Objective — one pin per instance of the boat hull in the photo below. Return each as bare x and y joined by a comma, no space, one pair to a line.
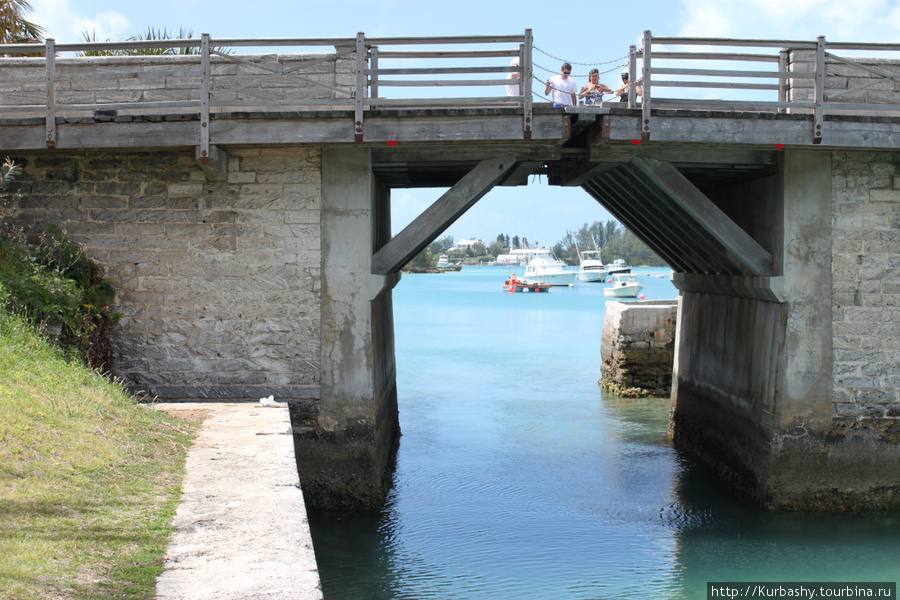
627,291
557,279
595,276
529,288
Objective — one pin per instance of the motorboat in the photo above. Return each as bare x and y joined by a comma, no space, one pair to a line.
592,267
514,284
618,266
443,261
624,285
549,271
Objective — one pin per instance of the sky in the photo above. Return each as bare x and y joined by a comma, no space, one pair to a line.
586,34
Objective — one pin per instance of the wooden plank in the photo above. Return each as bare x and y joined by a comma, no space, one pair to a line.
472,39
440,82
743,249
444,212
687,41
829,106
647,99
716,72
585,172
720,85
214,164
51,93
864,46
205,87
727,105
485,101
442,70
715,56
436,153
450,54
684,155
359,93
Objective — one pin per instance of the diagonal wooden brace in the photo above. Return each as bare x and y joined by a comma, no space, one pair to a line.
440,215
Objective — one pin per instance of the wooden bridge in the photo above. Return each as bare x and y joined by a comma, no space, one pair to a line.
241,203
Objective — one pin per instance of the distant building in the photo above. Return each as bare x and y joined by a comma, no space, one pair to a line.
466,244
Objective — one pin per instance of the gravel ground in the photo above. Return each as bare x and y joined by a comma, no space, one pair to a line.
240,530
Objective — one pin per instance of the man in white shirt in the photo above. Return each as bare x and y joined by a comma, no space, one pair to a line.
564,89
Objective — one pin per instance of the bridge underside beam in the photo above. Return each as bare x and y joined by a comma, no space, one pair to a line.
440,215
677,220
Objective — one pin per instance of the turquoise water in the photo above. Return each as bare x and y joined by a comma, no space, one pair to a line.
518,478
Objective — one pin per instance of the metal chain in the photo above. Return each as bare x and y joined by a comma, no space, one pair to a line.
621,58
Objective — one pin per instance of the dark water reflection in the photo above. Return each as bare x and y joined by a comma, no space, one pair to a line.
517,478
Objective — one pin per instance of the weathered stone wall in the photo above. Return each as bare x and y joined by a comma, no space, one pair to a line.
116,79
219,283
866,297
638,346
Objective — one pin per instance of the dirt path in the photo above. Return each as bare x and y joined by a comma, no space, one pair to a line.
240,530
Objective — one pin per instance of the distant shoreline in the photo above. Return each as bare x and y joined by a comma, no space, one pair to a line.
430,269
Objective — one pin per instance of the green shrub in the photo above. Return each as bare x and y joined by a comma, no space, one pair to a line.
56,287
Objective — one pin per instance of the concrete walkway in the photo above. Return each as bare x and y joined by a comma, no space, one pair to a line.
241,531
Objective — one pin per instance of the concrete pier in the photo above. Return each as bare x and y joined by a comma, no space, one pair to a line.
241,531
638,347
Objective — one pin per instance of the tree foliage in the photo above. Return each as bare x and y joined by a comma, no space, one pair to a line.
152,34
612,239
14,27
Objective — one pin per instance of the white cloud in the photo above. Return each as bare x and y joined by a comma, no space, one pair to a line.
65,24
837,20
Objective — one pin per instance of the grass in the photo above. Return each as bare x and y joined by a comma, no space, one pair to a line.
89,479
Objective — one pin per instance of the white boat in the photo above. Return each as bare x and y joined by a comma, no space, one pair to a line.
592,267
618,266
623,286
443,261
522,256
548,270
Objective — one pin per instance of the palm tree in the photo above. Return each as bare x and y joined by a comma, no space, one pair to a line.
14,29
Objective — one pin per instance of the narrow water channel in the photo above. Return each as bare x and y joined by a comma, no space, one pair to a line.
518,478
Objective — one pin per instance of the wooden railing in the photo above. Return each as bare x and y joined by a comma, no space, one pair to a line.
794,76
352,75
355,73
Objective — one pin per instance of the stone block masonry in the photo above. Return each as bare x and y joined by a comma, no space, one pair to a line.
866,290
219,283
638,347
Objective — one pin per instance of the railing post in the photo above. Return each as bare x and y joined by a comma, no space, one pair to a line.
525,79
373,67
205,84
645,84
820,89
632,76
50,117
783,81
360,86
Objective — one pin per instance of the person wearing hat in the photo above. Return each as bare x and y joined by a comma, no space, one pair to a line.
622,92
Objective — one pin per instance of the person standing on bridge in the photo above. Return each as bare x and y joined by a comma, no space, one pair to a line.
593,90
564,89
622,92
512,88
